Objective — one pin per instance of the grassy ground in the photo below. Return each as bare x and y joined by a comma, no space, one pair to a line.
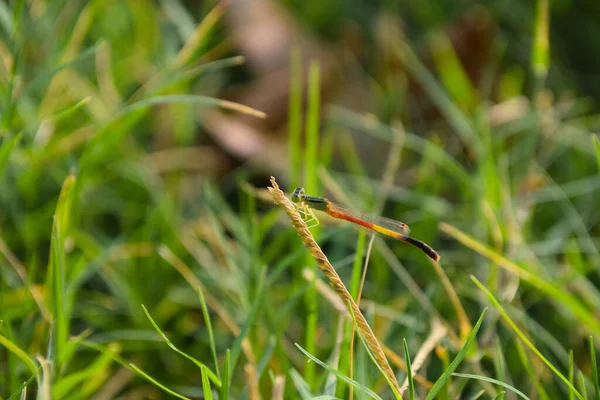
134,265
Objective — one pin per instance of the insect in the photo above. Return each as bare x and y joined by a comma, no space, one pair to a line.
385,226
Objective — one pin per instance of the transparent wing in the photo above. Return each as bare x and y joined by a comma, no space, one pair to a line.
386,223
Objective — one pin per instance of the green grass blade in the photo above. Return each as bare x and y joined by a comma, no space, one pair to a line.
208,372
19,353
340,376
530,371
313,115
5,150
540,58
411,384
571,374
63,114
205,383
596,141
594,368
524,338
493,381
551,289
301,385
311,160
451,72
211,336
437,386
58,267
20,390
64,387
226,378
191,99
582,384
156,383
295,117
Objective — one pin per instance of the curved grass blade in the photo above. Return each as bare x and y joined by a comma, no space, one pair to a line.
210,374
454,364
530,370
301,385
211,336
155,382
24,386
392,385
411,384
493,381
514,327
549,288
192,99
22,355
339,374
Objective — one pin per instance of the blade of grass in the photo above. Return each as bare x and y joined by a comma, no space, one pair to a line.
311,159
210,374
211,336
524,338
533,378
56,278
411,385
596,141
571,373
334,279
439,384
494,381
392,383
191,99
20,353
226,378
156,383
199,37
301,385
63,387
205,383
594,368
23,388
451,72
551,289
295,116
540,57
582,384
340,376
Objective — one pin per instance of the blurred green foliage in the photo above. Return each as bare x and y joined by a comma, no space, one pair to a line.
115,192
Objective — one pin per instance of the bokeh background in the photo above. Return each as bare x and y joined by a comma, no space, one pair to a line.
137,139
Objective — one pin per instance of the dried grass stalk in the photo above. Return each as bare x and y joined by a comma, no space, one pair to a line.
334,280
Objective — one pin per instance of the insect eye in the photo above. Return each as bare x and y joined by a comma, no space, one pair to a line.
297,194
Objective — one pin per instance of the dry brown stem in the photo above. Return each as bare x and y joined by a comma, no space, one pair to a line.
334,280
